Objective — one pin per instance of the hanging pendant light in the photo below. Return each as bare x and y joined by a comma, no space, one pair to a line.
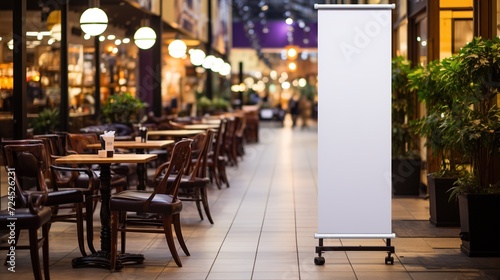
145,37
94,21
196,56
177,48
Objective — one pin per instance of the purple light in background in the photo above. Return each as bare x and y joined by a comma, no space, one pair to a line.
277,35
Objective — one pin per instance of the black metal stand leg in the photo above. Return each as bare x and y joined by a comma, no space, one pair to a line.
389,259
319,260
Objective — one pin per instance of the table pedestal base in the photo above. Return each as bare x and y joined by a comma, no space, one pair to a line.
101,260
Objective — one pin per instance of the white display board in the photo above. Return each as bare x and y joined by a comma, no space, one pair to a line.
354,123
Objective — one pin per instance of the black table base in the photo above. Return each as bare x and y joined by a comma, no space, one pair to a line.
101,260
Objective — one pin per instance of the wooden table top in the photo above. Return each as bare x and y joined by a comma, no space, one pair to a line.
95,159
174,132
211,121
200,126
150,144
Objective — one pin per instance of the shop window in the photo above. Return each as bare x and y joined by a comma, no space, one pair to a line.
462,33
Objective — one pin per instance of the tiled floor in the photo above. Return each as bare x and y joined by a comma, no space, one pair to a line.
264,229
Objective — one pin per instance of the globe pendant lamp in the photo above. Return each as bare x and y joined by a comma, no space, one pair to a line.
94,21
196,57
177,48
145,37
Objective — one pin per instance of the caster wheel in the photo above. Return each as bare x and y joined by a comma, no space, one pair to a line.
319,261
389,260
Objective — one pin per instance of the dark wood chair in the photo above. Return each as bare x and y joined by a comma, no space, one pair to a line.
216,161
162,201
31,218
30,164
67,178
193,186
229,142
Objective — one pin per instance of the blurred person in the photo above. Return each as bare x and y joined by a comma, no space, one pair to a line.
293,108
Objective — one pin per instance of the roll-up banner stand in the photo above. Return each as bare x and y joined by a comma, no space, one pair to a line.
354,125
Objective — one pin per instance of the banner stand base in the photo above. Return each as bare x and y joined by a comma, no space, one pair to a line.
320,260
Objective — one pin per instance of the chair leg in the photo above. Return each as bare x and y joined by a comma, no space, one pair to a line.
178,232
89,221
114,237
45,251
167,229
222,174
204,200
79,228
197,198
214,174
123,234
35,259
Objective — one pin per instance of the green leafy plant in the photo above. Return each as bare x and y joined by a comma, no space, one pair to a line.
221,104
47,121
204,105
404,102
430,83
122,108
472,124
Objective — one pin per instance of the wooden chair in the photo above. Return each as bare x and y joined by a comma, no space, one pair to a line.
30,164
162,201
240,134
33,217
193,186
229,141
67,178
216,162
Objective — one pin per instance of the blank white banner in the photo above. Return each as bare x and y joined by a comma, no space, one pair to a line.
354,123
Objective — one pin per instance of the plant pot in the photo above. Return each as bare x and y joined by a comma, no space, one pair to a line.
406,176
444,212
480,224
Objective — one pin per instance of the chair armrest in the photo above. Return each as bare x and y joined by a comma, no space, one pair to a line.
70,181
160,169
36,201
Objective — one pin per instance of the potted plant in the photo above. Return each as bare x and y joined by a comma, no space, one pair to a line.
429,82
46,122
204,105
474,125
221,105
406,162
122,108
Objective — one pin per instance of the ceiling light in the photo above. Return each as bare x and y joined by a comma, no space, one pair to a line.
208,62
94,21
177,48
226,69
55,32
145,37
196,56
217,65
